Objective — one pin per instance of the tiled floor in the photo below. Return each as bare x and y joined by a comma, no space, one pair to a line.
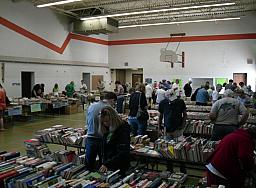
14,135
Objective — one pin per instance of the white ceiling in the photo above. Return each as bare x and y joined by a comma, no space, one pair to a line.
87,8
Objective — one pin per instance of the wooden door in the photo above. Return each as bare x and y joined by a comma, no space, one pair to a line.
240,77
95,80
137,78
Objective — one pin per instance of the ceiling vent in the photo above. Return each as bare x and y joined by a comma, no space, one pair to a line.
96,26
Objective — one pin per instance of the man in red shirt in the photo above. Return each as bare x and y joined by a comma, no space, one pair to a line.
232,159
2,106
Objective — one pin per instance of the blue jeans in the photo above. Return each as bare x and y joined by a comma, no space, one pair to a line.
138,128
93,148
120,104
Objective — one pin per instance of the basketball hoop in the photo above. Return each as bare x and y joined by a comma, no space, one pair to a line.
182,55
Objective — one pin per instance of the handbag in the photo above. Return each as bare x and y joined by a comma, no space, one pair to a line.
142,115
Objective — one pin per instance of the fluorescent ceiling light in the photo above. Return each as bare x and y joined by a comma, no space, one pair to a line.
57,3
160,10
180,22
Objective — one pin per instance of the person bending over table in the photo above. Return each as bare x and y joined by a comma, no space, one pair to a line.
116,141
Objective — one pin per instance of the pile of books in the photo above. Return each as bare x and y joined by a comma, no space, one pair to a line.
73,172
62,135
79,159
251,120
139,141
196,108
178,177
198,127
35,148
4,155
189,102
24,172
198,115
189,149
64,156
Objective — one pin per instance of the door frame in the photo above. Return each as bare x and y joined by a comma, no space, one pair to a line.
136,74
32,82
244,74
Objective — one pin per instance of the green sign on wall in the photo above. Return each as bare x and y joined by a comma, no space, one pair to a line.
180,82
221,81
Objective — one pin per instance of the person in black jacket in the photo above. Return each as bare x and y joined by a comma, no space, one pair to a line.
188,89
137,98
116,141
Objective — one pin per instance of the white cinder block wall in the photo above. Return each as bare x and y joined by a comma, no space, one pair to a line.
49,75
208,59
53,28
202,59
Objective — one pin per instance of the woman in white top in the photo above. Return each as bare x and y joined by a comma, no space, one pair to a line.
149,91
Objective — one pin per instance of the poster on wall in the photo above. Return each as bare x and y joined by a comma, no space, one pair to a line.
221,81
148,80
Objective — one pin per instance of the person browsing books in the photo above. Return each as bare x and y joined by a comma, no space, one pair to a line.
116,141
94,139
225,115
173,111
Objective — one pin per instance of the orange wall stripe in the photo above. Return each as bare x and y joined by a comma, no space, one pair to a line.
88,39
29,35
74,36
46,43
185,39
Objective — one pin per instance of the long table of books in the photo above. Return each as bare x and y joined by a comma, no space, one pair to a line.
186,151
192,151
28,107
17,171
66,136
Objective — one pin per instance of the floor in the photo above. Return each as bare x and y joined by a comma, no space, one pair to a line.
14,135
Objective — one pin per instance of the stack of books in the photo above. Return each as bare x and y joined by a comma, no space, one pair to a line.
189,149
24,171
4,156
198,115
196,108
198,128
178,177
73,172
79,159
62,135
35,148
64,156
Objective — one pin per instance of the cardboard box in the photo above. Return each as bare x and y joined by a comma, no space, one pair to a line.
80,109
71,109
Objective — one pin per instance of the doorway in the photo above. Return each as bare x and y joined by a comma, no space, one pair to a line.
27,81
121,75
240,77
87,79
137,78
95,80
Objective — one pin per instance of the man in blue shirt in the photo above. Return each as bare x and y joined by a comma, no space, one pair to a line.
202,96
94,140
